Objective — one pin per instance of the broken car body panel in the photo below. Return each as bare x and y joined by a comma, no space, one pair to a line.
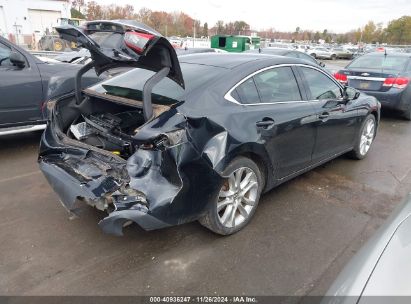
147,188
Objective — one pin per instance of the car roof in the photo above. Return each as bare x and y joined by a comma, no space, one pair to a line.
194,50
381,53
232,60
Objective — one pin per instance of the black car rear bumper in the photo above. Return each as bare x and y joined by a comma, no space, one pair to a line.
103,192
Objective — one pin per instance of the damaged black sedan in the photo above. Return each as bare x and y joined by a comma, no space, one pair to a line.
199,138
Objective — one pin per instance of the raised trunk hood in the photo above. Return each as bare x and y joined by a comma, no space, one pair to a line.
110,46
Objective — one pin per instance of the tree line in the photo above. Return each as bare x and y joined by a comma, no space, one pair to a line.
398,31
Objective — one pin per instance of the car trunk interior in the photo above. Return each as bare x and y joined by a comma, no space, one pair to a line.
103,122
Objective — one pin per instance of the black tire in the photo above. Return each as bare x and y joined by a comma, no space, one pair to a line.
333,57
356,152
211,219
313,55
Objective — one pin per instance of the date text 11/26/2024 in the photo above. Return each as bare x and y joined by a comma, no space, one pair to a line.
204,299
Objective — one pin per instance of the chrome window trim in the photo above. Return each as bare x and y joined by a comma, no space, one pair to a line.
230,98
366,78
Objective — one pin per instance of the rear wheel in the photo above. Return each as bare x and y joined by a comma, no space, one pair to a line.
333,57
365,138
238,198
314,55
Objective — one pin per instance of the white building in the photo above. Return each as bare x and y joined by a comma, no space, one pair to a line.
20,19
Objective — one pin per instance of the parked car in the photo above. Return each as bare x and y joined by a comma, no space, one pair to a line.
381,270
195,138
322,53
342,53
26,83
70,57
280,45
288,53
383,75
330,68
302,48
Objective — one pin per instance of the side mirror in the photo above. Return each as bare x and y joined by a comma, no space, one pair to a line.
17,59
350,93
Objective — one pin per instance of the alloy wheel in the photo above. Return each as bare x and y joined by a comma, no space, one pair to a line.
237,197
367,136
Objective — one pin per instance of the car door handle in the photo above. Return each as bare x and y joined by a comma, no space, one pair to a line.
324,115
266,123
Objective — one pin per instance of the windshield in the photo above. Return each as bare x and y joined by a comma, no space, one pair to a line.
395,63
166,92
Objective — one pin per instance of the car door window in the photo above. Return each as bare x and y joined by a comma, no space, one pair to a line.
277,84
4,56
246,92
320,86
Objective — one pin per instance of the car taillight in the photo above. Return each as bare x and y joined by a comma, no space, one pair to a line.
137,41
399,82
341,77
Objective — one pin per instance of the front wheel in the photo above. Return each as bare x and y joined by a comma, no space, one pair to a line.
333,57
237,199
365,138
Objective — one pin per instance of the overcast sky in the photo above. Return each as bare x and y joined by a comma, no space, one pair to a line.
285,15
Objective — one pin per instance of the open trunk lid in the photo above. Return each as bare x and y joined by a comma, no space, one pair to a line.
124,43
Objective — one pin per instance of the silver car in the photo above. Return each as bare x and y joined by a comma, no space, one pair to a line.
381,268
343,53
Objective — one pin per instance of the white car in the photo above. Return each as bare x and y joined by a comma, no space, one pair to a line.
302,48
323,53
280,45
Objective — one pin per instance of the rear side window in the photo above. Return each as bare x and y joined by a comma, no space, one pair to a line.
321,87
277,84
130,84
247,92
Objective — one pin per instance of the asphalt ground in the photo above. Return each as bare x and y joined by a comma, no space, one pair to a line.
299,239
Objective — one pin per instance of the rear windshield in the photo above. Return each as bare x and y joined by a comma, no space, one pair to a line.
166,92
395,63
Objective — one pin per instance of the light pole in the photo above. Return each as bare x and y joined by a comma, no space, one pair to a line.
194,33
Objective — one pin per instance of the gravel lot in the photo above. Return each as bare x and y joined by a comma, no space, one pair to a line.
301,236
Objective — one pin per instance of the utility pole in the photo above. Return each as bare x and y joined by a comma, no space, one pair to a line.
194,32
17,32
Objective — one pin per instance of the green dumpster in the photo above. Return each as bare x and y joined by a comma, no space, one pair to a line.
231,43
